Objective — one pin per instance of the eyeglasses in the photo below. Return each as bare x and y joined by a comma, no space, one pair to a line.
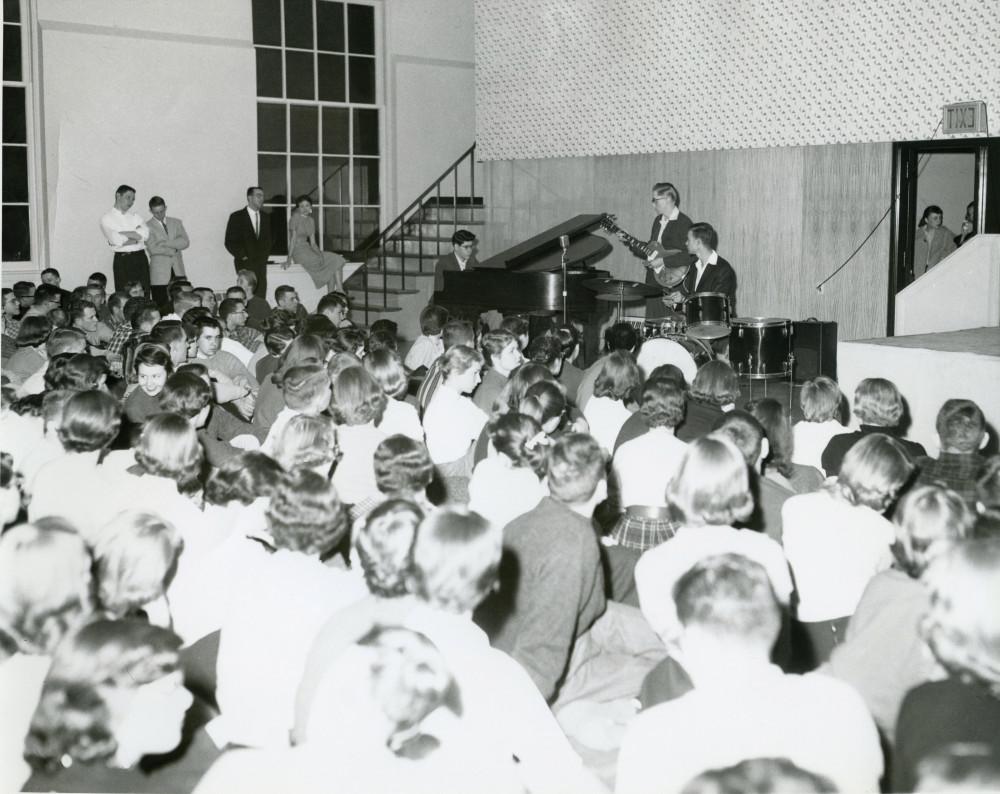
657,198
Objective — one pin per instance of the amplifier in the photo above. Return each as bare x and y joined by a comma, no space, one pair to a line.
814,343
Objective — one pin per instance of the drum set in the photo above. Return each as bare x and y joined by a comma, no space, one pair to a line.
759,348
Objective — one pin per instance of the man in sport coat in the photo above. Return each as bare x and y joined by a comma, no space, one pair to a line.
167,238
248,239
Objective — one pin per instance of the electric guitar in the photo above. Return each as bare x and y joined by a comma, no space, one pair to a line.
671,276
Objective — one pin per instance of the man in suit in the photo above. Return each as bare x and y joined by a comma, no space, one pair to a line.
461,257
670,228
249,240
167,239
710,272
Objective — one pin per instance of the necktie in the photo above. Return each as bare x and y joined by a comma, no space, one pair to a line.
256,228
164,222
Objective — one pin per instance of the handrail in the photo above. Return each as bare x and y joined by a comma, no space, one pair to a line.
415,209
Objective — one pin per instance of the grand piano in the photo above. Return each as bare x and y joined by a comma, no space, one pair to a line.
527,279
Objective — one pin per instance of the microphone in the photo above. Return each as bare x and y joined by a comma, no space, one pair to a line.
564,241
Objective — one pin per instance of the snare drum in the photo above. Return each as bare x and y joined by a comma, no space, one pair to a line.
707,315
759,347
653,329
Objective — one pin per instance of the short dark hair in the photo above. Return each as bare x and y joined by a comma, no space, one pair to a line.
576,467
121,190
463,236
277,338
76,372
186,394
515,324
545,350
49,271
332,300
152,355
402,465
66,340
33,331
432,320
458,332
145,314
960,424
157,201
705,233
567,336
252,188
201,323
91,420
667,189
228,306
746,433
619,377
662,403
47,293
77,309
384,324
494,342
621,336
282,291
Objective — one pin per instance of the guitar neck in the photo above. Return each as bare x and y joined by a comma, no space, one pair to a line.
632,242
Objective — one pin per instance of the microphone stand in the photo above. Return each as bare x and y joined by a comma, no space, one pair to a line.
564,242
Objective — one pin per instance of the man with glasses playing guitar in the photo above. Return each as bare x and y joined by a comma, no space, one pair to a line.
666,253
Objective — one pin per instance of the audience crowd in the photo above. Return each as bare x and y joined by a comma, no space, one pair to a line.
247,547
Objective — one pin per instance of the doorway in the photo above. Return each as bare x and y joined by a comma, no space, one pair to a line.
946,192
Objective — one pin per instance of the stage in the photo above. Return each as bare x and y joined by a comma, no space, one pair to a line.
929,369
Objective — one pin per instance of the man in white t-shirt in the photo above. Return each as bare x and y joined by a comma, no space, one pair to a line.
742,706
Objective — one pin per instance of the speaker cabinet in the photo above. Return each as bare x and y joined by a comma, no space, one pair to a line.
814,343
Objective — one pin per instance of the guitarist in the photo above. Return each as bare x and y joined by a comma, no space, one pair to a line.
669,233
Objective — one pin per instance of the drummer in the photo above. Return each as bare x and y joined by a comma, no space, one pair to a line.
709,273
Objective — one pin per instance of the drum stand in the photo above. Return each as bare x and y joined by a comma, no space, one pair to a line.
789,375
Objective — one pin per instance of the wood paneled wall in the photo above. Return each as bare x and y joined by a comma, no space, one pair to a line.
786,218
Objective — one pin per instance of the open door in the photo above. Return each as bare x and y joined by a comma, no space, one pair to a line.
946,191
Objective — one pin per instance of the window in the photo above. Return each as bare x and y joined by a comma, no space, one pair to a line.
318,116
16,211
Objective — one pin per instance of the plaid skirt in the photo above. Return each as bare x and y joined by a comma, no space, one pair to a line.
642,527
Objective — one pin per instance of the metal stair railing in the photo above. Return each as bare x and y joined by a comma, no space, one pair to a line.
415,211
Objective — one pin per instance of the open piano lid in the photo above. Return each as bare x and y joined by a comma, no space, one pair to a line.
543,252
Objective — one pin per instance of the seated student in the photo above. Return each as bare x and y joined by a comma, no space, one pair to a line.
769,497
879,406
502,356
620,337
962,630
837,539
961,430
207,297
759,776
287,301
381,339
714,391
886,624
190,394
270,400
386,367
551,582
570,375
282,601
73,486
742,706
233,315
61,340
258,309
208,350
708,495
276,339
308,442
120,681
987,506
30,355
152,368
636,424
357,406
617,385
121,326
508,484
307,392
517,326
644,466
821,401
46,593
335,307
778,466
455,332
452,422
49,447
546,403
403,470
134,558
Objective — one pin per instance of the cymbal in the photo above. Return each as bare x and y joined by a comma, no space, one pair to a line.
614,289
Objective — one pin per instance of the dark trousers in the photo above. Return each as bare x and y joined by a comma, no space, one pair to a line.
131,266
161,297
259,269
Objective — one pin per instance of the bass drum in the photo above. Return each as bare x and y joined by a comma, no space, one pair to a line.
684,352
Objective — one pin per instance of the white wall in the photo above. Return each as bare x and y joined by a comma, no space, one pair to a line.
430,93
158,96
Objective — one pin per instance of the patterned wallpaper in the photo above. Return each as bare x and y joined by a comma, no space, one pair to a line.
557,78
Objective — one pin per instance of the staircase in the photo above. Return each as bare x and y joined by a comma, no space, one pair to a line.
396,279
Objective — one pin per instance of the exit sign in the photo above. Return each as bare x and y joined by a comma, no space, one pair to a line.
964,117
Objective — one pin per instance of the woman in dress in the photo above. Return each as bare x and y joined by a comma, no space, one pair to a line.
325,267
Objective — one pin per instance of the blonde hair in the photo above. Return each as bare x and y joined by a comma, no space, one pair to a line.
134,560
820,399
712,484
873,471
925,518
45,584
962,624
306,441
169,447
878,402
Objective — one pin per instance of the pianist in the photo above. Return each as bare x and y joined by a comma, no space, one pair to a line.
463,243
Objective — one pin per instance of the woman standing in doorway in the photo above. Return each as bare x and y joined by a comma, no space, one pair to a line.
934,241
